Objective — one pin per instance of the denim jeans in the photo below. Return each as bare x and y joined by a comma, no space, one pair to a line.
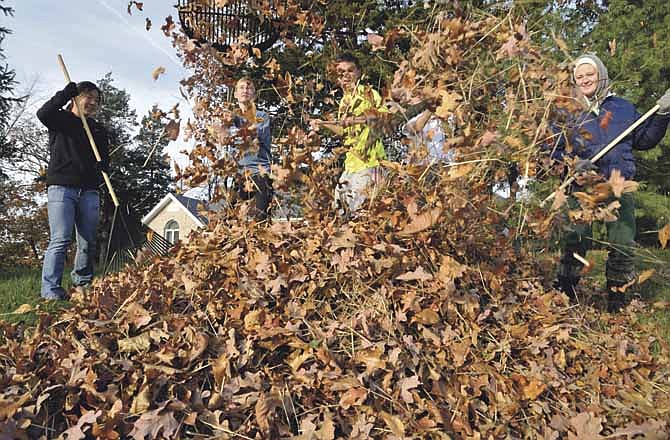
69,208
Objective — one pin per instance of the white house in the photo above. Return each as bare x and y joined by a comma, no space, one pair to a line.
175,216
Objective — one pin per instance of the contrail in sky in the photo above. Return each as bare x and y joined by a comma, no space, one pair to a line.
149,40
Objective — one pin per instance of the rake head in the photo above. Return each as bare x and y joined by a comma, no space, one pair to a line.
131,242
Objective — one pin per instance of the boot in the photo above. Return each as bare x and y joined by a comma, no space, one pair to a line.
568,285
616,300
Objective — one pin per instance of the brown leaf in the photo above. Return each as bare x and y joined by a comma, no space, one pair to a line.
23,308
136,344
620,185
327,430
137,315
159,423
664,235
645,275
394,423
419,274
560,199
427,317
649,430
459,170
406,385
353,397
421,222
585,426
172,130
533,389
78,432
264,410
487,138
376,41
9,408
450,269
449,103
158,71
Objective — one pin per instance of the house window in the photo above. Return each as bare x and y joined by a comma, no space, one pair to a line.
171,231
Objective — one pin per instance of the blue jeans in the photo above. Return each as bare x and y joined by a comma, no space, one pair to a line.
70,207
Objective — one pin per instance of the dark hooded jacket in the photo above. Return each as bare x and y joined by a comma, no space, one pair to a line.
588,134
71,161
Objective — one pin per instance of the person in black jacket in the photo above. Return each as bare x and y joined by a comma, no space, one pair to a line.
73,178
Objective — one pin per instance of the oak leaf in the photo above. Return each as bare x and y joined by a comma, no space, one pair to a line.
421,222
159,423
158,71
407,384
353,397
620,185
78,432
585,426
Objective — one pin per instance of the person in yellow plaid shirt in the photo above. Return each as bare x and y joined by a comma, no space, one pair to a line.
362,172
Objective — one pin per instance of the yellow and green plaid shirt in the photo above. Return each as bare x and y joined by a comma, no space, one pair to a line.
364,151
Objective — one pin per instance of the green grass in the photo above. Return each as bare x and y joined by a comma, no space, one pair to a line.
21,285
655,290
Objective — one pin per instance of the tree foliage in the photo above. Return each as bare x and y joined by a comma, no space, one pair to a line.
7,98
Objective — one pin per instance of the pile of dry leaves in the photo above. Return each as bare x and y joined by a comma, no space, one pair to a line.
427,316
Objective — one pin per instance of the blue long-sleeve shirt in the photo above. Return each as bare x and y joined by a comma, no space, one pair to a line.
587,134
253,159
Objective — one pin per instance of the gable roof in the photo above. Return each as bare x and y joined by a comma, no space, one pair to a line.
188,204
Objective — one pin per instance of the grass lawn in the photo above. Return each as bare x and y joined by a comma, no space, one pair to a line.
655,290
22,286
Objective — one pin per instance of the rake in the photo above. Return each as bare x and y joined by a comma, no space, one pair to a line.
128,237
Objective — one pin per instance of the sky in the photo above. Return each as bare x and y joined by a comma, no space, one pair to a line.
95,37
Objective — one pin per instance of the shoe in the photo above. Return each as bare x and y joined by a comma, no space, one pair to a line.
52,297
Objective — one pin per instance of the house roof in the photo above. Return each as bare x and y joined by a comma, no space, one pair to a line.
188,204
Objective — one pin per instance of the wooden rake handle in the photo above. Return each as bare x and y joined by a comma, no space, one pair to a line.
604,151
94,147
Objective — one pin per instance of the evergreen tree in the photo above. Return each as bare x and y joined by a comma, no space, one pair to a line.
146,166
135,186
7,98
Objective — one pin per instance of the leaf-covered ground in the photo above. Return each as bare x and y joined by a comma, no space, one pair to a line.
429,315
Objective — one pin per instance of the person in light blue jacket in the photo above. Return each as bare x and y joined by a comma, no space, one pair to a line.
603,118
252,127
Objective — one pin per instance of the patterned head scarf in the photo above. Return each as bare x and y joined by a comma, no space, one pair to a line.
602,88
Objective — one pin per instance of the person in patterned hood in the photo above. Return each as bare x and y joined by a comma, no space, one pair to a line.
603,118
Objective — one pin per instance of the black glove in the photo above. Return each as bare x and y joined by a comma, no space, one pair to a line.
584,165
70,90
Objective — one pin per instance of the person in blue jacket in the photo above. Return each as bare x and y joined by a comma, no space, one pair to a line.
73,178
603,118
253,129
